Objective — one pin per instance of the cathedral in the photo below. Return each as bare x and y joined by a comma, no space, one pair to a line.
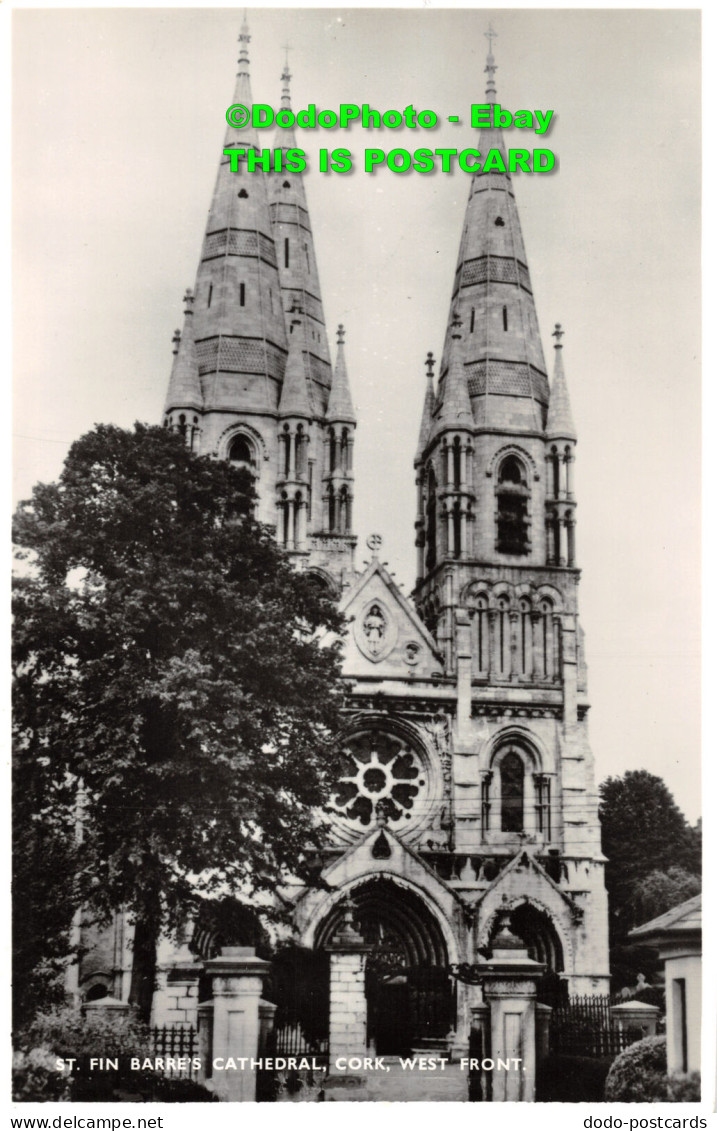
467,788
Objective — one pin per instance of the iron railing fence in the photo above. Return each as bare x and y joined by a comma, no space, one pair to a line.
178,1046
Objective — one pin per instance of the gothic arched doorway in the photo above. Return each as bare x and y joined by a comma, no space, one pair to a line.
410,996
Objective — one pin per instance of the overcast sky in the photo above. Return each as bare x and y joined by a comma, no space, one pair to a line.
119,121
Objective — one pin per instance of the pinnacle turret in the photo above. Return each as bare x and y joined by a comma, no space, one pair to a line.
454,407
184,387
340,407
429,404
560,424
295,394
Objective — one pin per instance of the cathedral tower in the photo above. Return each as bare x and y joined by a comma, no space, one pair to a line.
252,378
497,573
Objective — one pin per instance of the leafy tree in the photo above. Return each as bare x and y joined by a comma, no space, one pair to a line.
659,891
654,861
175,679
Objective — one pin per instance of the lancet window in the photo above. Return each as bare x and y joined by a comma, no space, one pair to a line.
513,493
512,790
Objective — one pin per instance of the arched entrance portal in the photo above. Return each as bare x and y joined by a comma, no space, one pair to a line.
410,997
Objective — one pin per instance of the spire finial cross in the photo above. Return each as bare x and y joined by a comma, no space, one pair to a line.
557,334
490,36
176,339
430,362
340,334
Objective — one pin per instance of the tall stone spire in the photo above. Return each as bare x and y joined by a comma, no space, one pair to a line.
501,351
184,390
560,424
240,331
298,271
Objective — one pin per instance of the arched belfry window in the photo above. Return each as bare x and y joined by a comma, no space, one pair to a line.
512,790
513,492
241,453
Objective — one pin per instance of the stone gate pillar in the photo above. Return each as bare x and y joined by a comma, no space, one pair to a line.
635,1016
347,991
237,980
510,987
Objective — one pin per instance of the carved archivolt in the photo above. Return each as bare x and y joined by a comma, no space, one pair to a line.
519,453
240,428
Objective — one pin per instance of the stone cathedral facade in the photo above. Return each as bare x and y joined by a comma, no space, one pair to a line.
468,786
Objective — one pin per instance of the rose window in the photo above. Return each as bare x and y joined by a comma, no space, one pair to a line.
380,774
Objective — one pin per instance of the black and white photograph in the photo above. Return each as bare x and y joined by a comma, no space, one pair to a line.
356,612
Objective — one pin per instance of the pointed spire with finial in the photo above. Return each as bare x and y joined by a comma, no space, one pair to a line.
246,134
238,264
429,405
490,66
454,410
295,393
501,350
340,407
296,256
285,81
559,425
185,389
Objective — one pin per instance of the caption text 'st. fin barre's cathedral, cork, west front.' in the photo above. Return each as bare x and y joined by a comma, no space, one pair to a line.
468,788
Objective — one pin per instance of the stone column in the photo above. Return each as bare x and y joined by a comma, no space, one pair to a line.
347,991
563,539
237,980
509,987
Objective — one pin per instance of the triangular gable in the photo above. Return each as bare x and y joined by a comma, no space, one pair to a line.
386,637
380,853
540,887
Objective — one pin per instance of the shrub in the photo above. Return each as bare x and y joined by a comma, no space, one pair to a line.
571,1079
685,1089
35,1077
639,1074
66,1032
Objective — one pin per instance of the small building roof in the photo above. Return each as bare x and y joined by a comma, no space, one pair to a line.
685,918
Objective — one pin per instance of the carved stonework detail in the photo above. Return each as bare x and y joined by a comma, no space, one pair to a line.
375,632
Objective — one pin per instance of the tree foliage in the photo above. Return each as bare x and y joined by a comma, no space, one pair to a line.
174,675
654,862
